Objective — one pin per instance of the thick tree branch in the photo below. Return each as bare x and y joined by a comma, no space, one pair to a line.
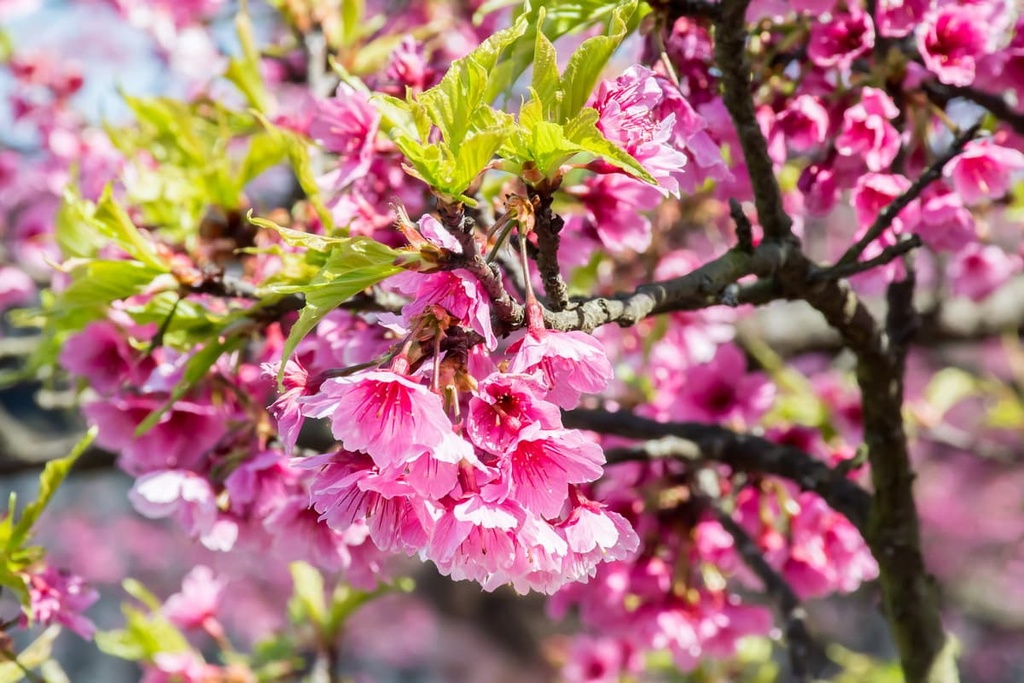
893,533
741,452
731,58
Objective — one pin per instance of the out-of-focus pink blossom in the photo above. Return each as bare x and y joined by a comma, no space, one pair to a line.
347,125
983,170
722,391
16,287
57,597
180,439
874,192
614,207
100,353
600,660
867,132
978,270
821,192
945,223
837,42
287,409
951,39
897,18
198,601
801,126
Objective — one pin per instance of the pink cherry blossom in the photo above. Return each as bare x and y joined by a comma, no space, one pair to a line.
16,287
347,125
984,170
946,224
898,18
543,462
57,597
572,363
100,353
723,391
503,405
286,409
801,126
837,42
180,439
198,601
978,270
627,108
190,499
821,192
951,39
458,293
614,208
383,413
867,132
874,192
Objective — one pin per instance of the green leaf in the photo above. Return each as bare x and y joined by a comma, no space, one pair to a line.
94,284
113,223
350,268
297,150
582,130
144,636
51,478
352,27
265,151
546,83
308,601
587,63
32,657
13,581
141,593
196,370
244,71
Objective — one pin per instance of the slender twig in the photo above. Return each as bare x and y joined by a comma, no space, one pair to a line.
997,105
889,213
887,255
548,226
744,230
806,656
731,58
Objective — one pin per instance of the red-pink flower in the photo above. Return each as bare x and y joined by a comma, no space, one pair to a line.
841,39
198,600
867,132
614,207
945,223
543,462
382,413
722,391
57,597
897,18
100,353
346,124
287,409
801,126
178,441
627,107
572,363
16,287
874,192
978,270
503,405
984,170
951,40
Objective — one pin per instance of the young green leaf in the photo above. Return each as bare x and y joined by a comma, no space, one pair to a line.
587,63
51,478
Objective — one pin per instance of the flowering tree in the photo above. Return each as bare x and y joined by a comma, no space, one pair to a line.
638,306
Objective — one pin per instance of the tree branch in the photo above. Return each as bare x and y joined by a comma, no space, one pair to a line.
547,226
887,255
741,452
997,105
731,58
